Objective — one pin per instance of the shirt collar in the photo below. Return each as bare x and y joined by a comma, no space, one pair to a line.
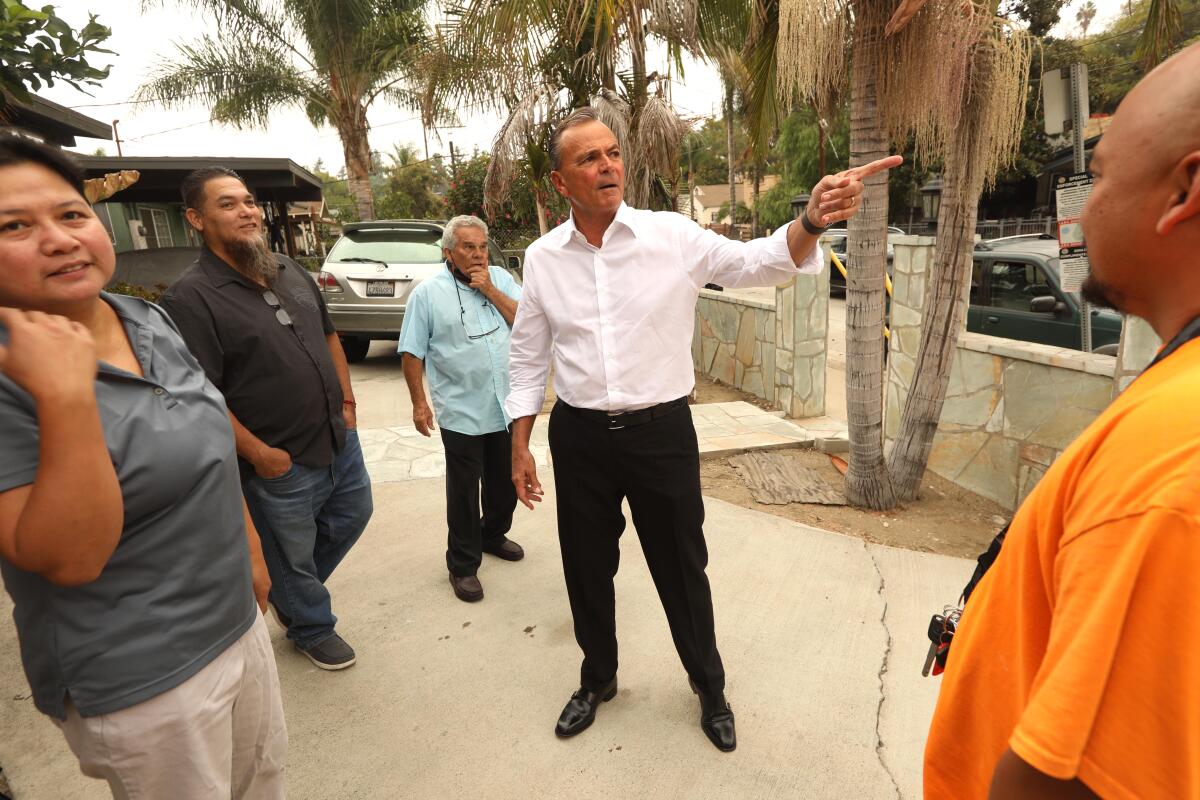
625,216
220,272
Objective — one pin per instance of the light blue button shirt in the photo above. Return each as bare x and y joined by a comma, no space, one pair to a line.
468,377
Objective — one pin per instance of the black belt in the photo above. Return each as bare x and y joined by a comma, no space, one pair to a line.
614,422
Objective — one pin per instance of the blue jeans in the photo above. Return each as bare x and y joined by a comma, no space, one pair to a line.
308,519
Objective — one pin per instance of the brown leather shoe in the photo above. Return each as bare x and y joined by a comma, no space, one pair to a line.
508,550
468,589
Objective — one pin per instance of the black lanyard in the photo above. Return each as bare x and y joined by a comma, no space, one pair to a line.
1189,332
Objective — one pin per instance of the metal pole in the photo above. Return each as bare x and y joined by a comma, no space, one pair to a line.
117,136
1079,114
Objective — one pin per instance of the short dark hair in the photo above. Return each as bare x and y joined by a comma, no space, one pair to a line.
192,187
577,117
18,147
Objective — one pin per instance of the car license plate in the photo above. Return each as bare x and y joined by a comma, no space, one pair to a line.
381,289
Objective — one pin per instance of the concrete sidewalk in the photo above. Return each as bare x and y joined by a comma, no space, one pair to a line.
822,636
400,453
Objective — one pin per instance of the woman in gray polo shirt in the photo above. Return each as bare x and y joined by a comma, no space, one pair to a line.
124,541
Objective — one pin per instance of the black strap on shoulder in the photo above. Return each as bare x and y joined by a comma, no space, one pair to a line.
1189,332
988,557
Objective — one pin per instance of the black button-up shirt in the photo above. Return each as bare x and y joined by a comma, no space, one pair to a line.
278,380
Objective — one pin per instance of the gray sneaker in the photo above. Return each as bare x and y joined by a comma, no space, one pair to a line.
331,654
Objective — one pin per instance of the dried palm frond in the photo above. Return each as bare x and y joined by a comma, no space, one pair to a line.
613,111
527,127
99,189
657,136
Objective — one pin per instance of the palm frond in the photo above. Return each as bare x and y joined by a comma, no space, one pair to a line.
658,135
241,81
527,126
1163,25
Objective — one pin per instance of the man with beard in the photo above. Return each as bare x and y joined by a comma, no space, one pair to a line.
258,326
1073,670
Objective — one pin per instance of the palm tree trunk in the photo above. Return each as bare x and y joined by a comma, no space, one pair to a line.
820,146
943,320
754,203
867,481
729,151
352,129
543,226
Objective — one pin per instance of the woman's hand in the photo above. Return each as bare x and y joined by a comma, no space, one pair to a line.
48,356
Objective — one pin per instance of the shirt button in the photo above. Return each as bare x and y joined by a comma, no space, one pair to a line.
158,390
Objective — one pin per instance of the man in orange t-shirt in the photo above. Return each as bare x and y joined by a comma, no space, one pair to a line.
1076,667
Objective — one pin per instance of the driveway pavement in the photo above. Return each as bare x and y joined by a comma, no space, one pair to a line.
822,636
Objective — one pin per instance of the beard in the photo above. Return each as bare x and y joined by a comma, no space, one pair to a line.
1102,294
254,260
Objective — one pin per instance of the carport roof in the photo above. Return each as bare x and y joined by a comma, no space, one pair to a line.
52,122
271,179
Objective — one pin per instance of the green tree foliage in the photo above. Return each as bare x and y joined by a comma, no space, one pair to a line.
709,157
337,194
517,225
795,158
1040,15
410,187
743,213
37,48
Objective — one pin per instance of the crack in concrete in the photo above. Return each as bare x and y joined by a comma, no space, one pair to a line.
883,668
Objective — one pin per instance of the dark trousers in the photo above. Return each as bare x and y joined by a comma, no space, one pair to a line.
473,462
656,466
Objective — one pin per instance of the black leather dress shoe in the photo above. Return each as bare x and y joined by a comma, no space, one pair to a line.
580,710
716,719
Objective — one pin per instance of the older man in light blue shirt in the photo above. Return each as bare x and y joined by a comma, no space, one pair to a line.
456,331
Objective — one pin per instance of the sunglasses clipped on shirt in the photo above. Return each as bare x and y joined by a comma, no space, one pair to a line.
280,313
462,316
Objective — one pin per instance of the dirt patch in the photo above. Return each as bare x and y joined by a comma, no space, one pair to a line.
947,519
710,390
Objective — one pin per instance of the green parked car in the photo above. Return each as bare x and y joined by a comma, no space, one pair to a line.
1016,293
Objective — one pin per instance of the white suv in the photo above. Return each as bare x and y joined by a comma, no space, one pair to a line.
371,270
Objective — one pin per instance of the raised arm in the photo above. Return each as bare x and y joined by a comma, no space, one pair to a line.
790,250
67,523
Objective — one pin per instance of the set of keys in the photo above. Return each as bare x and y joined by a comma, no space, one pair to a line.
941,633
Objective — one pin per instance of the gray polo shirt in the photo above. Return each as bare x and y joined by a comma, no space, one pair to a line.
177,590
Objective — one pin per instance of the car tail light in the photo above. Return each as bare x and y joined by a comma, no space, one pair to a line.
327,282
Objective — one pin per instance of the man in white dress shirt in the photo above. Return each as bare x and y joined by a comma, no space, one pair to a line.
610,295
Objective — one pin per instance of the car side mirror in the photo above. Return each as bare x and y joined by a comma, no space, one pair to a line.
514,263
1047,305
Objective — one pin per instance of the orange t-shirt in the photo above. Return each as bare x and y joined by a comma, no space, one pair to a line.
1081,648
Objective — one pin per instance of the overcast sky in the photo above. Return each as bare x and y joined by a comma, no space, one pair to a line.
141,39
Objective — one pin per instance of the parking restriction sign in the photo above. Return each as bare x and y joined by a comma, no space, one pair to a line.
1072,192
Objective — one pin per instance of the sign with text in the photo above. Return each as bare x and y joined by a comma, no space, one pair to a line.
1072,192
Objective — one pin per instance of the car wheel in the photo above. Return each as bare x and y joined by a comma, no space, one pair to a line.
1106,350
356,348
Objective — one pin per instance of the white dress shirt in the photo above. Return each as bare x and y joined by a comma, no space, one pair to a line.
618,319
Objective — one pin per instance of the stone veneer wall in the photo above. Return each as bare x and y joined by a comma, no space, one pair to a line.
734,342
1011,407
775,351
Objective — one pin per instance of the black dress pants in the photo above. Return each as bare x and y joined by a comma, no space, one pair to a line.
472,461
656,466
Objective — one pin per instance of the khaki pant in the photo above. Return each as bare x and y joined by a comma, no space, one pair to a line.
219,734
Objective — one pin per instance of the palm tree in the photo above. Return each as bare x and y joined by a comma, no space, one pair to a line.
987,139
908,64
1164,21
1084,16
332,58
534,60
